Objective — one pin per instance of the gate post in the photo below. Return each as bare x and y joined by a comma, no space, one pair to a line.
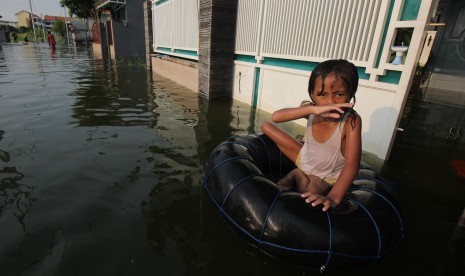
217,32
148,33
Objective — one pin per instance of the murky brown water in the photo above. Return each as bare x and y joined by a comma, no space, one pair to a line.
101,172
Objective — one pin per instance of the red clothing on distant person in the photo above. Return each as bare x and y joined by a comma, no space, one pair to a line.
51,40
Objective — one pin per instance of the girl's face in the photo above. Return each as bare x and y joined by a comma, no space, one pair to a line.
334,91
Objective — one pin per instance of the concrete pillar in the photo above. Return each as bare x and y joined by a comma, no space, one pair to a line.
148,33
217,31
104,41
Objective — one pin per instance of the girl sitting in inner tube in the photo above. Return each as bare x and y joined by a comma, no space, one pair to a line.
328,160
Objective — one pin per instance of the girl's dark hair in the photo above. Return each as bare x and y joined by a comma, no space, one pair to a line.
342,69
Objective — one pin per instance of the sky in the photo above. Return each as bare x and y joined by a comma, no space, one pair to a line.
8,8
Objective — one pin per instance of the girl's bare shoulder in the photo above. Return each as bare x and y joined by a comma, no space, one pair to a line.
353,122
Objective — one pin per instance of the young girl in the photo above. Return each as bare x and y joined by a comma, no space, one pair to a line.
329,159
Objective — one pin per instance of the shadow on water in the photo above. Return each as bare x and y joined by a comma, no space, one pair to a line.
102,167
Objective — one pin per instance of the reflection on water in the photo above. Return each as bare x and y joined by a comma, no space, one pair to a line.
434,121
15,199
102,166
106,97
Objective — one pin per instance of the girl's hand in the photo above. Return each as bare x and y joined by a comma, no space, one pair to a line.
317,199
332,111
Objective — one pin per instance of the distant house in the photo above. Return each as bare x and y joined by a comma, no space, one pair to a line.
121,30
49,20
9,23
23,19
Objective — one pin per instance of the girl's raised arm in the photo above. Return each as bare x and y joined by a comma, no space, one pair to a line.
294,113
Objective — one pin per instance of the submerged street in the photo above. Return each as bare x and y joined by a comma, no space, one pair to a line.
101,170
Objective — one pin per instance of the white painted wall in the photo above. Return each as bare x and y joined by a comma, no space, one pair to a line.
376,108
244,80
281,89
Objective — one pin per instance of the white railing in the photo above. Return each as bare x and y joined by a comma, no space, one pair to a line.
175,27
248,26
311,30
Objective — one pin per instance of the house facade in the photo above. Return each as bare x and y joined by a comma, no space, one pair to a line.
23,19
120,33
49,20
9,23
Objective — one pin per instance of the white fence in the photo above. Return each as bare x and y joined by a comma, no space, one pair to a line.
176,27
311,30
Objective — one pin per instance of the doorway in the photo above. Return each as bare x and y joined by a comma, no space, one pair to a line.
448,60
434,116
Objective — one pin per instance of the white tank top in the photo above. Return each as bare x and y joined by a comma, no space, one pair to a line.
324,160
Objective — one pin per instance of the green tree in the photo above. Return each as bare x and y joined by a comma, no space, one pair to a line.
81,8
59,27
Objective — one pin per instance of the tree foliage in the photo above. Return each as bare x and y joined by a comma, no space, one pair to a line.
59,27
81,8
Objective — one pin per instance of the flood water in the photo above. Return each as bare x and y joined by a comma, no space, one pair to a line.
102,166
